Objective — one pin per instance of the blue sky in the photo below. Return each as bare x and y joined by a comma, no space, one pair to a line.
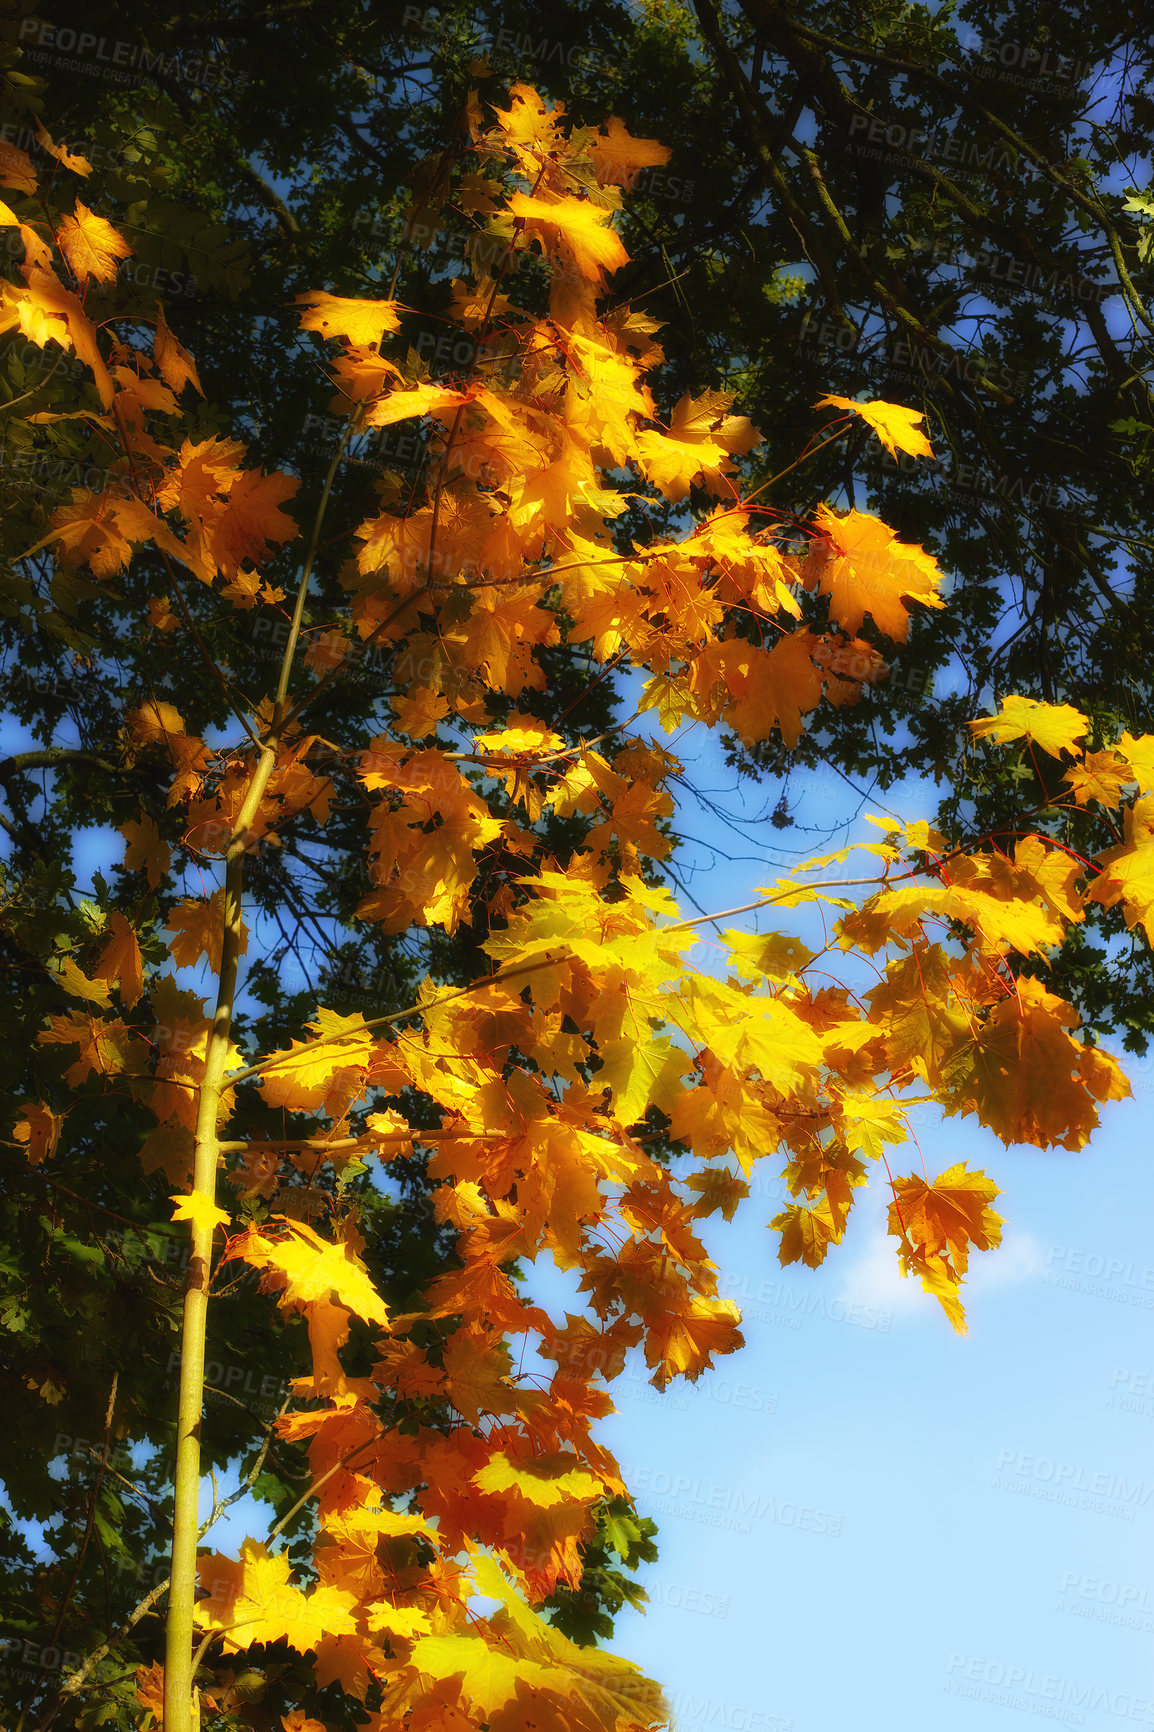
869,1521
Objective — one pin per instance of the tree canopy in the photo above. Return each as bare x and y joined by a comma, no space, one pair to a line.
930,206
557,341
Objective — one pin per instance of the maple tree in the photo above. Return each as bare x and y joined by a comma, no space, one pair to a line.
955,228
596,1089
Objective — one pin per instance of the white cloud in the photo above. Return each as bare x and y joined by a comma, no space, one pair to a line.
875,1279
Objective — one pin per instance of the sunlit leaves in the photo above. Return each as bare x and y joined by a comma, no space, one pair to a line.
91,245
578,228
894,425
359,321
1053,727
604,1072
936,1224
306,1269
301,1078
1127,871
865,569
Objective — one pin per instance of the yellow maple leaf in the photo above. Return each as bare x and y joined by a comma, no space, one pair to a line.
440,400
105,1047
298,1721
301,1078
476,1376
1101,776
1025,1077
895,427
419,712
1139,754
682,1340
871,1123
1127,874
154,721
806,1233
1054,727
67,159
574,230
719,1190
947,1215
642,1073
702,438
776,954
361,322
91,245
100,530
77,984
936,1223
252,1600
540,1480
306,1269
489,1676
194,1206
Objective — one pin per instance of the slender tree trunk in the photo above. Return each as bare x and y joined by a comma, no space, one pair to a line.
178,1685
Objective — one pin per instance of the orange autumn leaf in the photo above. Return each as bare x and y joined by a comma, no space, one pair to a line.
702,438
39,1127
148,1685
864,568
301,1077
618,157
176,366
199,928
120,959
106,1048
91,245
253,520
771,689
233,514
937,1222
1029,1079
100,530
155,721
947,1215
146,849
66,158
16,168
806,1233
